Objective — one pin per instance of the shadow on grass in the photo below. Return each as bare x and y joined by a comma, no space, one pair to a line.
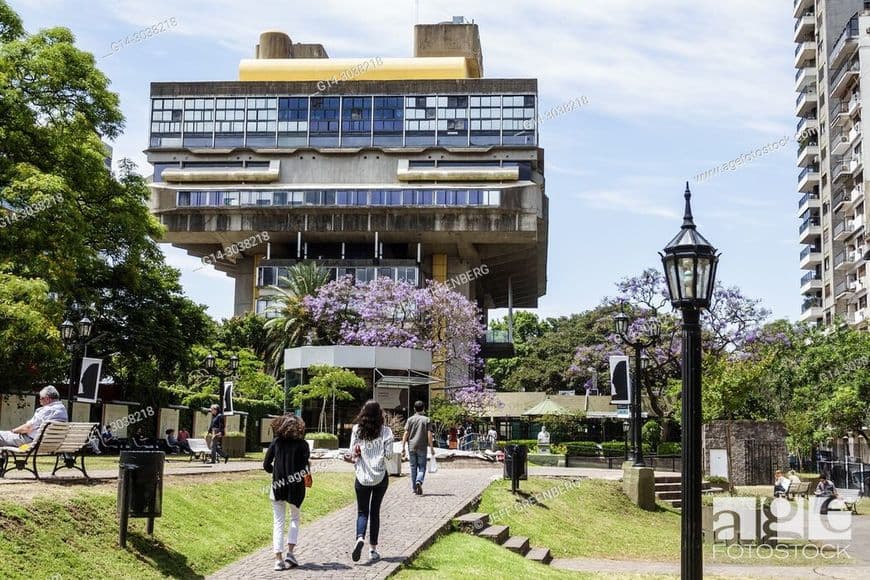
168,562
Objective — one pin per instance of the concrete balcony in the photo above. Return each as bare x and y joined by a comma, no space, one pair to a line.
843,290
808,179
839,144
845,46
801,7
845,260
805,77
808,154
805,27
811,309
807,126
811,257
859,317
810,283
839,200
840,170
843,230
807,202
843,79
855,134
804,52
856,196
840,115
854,105
809,231
806,101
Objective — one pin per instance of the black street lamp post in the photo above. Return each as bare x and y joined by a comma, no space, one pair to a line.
75,338
690,263
212,368
653,330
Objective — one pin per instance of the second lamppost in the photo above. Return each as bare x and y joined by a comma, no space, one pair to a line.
690,262
75,337
653,330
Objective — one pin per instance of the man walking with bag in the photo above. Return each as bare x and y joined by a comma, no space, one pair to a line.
417,437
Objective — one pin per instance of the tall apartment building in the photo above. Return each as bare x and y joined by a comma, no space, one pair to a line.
412,168
832,58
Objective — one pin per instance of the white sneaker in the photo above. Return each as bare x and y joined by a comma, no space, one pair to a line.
374,556
280,565
290,560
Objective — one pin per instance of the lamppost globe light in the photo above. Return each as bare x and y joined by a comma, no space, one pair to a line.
85,327
234,363
654,327
67,330
620,323
209,362
644,361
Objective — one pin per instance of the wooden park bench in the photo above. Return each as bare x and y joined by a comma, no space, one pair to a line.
65,441
199,447
801,489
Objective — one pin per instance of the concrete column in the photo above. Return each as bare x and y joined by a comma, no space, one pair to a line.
245,281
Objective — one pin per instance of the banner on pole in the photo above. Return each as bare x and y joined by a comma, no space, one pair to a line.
89,380
228,399
620,381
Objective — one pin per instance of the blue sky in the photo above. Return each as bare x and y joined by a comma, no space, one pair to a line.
674,87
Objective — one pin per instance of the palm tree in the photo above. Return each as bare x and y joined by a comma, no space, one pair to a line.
291,322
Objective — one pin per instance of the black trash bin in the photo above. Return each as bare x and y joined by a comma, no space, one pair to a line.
140,488
521,452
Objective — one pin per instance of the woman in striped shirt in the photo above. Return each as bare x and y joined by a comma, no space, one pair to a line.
371,444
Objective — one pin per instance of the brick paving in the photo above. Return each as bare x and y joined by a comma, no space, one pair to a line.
409,523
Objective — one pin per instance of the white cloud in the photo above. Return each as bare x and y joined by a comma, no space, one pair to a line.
625,200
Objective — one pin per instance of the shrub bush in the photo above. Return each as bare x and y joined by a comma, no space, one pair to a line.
318,436
532,444
670,449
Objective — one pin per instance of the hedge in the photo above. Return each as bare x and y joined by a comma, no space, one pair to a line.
670,449
532,444
593,449
318,436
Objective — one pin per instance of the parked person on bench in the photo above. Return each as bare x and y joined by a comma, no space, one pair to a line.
780,484
825,490
51,410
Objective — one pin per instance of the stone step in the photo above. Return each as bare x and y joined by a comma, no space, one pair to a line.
518,544
668,479
668,495
668,486
472,523
497,534
541,555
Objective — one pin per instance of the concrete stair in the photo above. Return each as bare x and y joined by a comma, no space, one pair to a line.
472,522
517,544
498,534
541,555
668,489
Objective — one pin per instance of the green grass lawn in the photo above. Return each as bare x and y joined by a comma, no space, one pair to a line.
592,520
206,524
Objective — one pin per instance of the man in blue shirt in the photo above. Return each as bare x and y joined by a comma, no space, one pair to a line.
51,410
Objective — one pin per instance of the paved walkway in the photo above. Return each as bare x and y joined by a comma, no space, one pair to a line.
408,524
170,468
723,570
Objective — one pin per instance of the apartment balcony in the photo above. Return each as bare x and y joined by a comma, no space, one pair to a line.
856,165
858,288
844,260
843,290
855,134
807,202
843,230
806,101
856,196
854,105
839,143
811,257
840,170
811,309
810,229
808,125
840,114
805,27
808,179
805,76
810,283
840,200
846,45
808,153
859,317
843,79
497,344
803,52
802,7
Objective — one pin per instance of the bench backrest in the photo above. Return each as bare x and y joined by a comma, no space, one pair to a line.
51,436
78,435
804,487
849,494
198,445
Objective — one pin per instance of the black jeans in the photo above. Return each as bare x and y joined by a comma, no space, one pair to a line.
368,506
217,449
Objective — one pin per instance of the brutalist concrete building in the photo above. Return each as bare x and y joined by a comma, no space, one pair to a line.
413,168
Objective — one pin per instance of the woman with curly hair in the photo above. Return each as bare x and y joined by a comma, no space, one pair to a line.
287,461
371,444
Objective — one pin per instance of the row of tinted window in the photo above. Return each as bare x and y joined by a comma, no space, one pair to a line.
453,120
353,197
272,275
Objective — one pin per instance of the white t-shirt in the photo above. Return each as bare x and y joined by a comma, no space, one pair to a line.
371,465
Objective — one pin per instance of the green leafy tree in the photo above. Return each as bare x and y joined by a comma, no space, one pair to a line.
292,322
325,383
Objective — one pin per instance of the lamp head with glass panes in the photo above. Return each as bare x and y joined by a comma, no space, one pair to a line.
690,262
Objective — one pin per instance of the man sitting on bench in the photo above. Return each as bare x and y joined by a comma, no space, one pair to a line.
51,410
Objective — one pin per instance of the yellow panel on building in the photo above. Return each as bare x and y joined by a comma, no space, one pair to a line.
354,69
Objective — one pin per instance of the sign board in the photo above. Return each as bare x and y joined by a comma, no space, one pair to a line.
571,392
620,381
89,380
392,398
623,412
228,400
